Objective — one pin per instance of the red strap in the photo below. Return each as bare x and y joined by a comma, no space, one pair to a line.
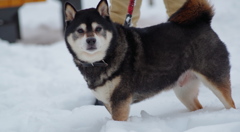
131,6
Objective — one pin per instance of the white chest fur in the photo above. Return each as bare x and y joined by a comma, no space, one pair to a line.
103,93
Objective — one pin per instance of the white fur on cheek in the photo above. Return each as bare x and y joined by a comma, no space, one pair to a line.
103,43
78,45
107,41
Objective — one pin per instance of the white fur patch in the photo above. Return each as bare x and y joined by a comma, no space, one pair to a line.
83,26
94,25
104,92
79,46
188,91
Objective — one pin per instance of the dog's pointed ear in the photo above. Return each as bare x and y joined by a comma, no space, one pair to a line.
102,8
70,12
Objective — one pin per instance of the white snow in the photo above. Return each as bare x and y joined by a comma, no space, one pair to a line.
41,90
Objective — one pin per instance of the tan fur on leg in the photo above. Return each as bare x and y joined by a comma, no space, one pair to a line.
121,110
221,90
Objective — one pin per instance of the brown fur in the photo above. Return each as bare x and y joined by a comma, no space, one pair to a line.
191,10
221,89
90,34
197,104
225,90
120,111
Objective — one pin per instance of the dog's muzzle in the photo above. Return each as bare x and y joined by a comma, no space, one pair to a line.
91,43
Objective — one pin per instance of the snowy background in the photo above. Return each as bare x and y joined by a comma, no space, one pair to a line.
42,91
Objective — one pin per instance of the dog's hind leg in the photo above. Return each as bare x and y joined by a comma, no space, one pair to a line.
222,88
187,91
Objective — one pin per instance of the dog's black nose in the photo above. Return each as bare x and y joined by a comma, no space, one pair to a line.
91,41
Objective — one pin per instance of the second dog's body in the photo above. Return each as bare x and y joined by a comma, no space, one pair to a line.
126,65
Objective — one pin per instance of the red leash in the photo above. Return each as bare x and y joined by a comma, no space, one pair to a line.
128,19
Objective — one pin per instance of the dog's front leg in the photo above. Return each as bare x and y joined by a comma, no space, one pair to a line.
120,109
108,107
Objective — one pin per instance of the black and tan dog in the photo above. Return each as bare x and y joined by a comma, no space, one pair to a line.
126,65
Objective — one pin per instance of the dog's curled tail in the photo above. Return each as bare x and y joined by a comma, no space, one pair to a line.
192,12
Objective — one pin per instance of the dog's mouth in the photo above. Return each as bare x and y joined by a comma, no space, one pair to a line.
91,47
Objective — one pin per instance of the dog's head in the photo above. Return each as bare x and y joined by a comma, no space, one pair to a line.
88,32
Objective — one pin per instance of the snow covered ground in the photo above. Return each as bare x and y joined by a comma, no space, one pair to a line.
42,91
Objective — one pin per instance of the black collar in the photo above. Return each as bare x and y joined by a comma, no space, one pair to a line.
101,63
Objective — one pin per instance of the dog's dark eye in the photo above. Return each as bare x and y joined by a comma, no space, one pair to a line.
80,30
98,29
